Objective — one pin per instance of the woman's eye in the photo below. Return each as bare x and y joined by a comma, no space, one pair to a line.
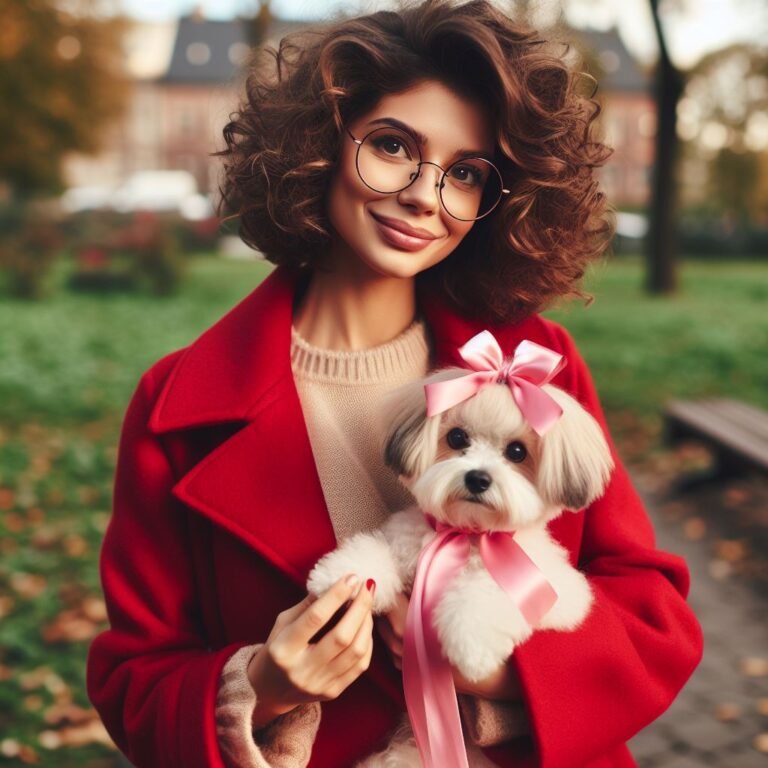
516,452
457,439
467,175
391,145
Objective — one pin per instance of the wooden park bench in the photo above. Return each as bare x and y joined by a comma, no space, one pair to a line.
736,432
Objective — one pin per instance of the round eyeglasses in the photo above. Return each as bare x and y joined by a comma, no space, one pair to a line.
388,160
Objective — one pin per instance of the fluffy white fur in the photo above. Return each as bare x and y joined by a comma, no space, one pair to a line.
479,626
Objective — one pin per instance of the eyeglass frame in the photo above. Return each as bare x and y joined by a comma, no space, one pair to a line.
441,181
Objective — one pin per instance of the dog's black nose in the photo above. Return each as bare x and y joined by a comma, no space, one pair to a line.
477,481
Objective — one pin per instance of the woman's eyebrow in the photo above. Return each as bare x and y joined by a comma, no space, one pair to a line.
422,139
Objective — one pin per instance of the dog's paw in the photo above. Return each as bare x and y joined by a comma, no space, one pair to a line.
574,601
478,625
368,556
481,665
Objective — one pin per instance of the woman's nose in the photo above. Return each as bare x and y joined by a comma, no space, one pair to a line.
424,192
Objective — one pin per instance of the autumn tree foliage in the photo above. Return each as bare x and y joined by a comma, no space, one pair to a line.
61,84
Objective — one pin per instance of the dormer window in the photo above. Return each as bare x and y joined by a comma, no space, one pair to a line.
198,53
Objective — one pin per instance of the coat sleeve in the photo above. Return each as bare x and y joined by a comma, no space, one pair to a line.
286,742
588,691
150,675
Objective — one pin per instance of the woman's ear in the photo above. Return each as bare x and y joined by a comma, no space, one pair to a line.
411,438
575,459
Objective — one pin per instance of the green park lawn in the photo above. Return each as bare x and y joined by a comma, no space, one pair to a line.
68,366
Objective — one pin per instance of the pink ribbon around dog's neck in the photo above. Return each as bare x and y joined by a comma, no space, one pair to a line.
430,694
525,373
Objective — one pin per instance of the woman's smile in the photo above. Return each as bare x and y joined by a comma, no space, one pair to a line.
400,234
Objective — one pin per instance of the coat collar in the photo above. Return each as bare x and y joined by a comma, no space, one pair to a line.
229,372
261,484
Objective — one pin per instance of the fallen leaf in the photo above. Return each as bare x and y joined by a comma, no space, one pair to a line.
762,706
40,465
9,748
49,740
28,585
68,713
754,666
719,569
35,678
760,742
733,497
95,609
727,712
731,550
28,756
33,703
15,522
6,605
45,537
7,499
91,732
694,528
75,545
70,626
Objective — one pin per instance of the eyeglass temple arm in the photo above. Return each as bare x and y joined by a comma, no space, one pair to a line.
357,141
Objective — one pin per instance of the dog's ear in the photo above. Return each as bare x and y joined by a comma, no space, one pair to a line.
411,438
575,461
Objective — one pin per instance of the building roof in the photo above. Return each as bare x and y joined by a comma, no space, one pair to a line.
618,71
207,51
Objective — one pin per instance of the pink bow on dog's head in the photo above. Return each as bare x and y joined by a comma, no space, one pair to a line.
525,373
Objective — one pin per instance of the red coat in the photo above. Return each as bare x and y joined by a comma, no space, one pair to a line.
219,515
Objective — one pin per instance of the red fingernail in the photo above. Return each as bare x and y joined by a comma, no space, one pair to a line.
370,585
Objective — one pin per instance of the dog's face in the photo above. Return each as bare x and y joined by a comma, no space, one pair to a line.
481,466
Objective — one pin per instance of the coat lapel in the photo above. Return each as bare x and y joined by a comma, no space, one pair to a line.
261,484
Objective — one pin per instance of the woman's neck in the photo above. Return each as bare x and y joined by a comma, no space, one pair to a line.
340,311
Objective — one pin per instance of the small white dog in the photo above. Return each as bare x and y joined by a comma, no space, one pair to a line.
480,466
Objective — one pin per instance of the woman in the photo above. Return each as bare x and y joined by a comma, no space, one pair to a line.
417,177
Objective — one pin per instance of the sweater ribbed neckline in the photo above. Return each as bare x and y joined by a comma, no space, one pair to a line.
406,352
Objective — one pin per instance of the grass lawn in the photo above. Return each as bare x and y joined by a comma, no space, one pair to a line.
68,367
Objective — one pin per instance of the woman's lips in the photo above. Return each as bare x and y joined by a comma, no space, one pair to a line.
392,232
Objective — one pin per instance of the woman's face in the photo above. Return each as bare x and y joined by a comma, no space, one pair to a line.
403,233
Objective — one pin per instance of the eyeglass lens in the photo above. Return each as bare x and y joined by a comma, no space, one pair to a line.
388,160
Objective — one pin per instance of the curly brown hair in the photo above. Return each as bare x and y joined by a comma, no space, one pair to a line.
283,143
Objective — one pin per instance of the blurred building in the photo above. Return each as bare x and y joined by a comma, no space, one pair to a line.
628,117
187,80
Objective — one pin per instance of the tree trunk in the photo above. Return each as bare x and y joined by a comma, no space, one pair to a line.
660,243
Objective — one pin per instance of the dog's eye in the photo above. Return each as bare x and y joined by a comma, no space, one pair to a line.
516,452
457,439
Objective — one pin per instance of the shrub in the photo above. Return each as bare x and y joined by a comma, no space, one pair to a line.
29,245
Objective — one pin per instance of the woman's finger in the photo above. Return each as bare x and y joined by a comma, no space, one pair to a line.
343,634
352,662
318,612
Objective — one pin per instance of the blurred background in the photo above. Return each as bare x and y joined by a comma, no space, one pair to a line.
111,255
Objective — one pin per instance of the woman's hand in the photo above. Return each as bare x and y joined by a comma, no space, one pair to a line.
290,670
503,684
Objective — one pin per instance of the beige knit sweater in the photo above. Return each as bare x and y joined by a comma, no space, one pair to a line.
342,395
